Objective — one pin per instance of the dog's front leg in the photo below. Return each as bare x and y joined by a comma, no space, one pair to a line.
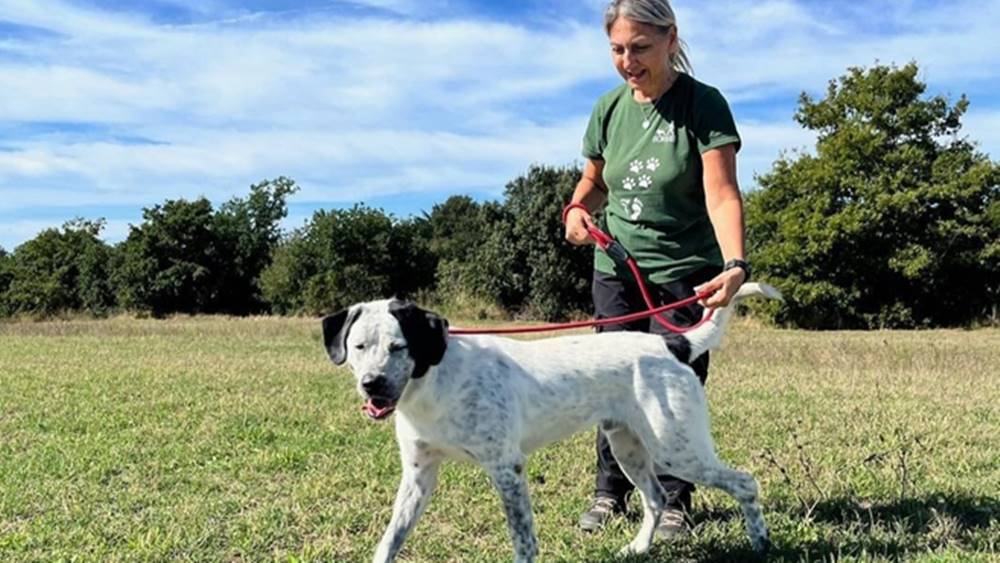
420,472
508,478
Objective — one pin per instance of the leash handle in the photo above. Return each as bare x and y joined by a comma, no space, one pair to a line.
571,207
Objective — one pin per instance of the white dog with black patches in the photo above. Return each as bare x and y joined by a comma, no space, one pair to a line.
494,400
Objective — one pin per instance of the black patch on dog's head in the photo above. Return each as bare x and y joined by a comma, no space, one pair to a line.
335,330
679,346
426,335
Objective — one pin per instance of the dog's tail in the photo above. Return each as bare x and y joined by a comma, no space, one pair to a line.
709,335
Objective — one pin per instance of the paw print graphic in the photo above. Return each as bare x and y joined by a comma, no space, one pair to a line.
645,181
652,163
629,184
635,166
634,208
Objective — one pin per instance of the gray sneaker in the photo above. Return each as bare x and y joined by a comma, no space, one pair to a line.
673,524
599,513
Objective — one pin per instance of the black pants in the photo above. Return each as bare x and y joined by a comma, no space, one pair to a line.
614,297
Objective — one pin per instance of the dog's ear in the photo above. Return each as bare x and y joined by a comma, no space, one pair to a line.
426,335
335,330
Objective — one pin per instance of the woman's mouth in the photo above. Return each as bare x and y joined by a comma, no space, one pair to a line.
636,76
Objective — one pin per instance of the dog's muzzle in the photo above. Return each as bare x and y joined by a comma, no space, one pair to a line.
380,403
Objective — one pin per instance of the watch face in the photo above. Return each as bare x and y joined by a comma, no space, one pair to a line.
741,264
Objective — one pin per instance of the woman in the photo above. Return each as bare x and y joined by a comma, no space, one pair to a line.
661,162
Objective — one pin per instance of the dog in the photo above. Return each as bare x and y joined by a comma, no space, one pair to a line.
493,400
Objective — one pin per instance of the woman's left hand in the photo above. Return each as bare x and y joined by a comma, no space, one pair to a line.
722,288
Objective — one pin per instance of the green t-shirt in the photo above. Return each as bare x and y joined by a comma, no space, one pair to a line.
656,196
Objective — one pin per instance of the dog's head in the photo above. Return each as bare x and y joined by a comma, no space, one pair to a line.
385,344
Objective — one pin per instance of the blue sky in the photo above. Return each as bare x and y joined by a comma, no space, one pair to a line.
111,106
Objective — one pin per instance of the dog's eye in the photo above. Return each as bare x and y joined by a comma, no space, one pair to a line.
359,346
397,347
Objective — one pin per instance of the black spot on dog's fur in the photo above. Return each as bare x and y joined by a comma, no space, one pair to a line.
679,346
426,335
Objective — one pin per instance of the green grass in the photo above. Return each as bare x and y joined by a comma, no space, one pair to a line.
211,439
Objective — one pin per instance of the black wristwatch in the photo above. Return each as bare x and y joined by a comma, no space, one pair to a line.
741,264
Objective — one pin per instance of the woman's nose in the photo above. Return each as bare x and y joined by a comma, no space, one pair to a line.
629,58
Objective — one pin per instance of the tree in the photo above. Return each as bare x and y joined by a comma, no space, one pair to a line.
456,228
171,262
494,269
463,239
345,256
59,271
6,276
188,258
892,223
248,231
523,262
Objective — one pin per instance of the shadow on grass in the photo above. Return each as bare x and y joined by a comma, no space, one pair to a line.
846,527
915,515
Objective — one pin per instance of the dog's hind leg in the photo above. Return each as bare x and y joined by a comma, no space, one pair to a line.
743,488
740,485
420,472
686,449
507,475
637,464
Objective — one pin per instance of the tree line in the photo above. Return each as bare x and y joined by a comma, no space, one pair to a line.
892,221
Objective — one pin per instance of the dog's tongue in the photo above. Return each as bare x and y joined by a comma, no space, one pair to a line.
377,412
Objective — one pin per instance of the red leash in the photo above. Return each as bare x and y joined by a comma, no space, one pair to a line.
617,252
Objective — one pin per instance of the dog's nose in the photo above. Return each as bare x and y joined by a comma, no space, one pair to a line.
373,385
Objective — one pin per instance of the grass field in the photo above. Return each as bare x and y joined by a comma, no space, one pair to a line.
212,439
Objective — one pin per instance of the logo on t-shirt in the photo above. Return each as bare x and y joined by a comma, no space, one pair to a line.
633,206
665,134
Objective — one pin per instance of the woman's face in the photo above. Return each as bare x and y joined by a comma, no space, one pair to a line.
640,53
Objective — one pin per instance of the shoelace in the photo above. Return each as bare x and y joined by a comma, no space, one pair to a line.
672,517
603,504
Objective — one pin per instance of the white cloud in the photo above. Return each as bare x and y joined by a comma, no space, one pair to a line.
366,107
754,49
355,163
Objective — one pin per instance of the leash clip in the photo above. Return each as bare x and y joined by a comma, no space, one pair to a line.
612,247
616,251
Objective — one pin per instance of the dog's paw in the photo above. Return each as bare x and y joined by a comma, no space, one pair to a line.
634,548
761,545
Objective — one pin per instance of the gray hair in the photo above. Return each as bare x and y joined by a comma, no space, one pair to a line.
656,13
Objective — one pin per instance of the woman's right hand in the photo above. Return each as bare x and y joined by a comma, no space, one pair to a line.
590,193
577,222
